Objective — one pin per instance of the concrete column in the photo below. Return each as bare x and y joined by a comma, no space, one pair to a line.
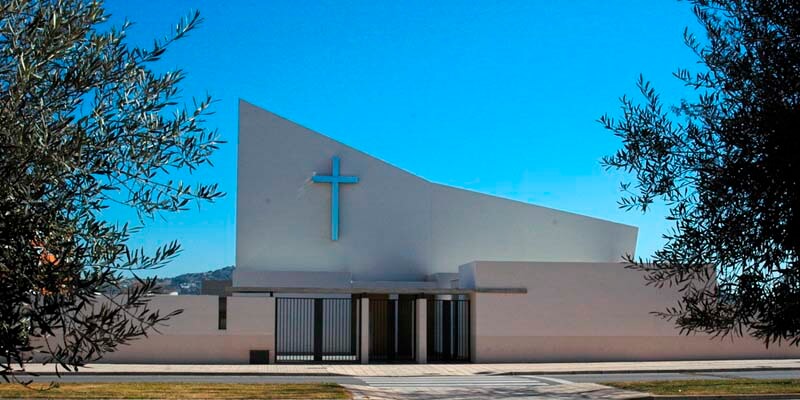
272,307
364,330
422,330
473,327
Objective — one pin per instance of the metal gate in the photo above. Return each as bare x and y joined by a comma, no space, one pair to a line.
448,331
392,330
316,330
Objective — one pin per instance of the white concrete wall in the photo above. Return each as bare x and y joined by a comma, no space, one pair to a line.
393,225
585,312
572,312
194,337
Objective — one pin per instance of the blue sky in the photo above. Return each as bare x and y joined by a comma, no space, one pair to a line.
497,97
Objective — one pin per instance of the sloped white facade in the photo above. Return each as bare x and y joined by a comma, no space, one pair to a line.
393,225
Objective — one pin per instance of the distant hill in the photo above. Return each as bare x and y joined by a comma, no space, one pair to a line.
191,283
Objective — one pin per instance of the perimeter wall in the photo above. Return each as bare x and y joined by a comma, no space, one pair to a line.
585,312
194,336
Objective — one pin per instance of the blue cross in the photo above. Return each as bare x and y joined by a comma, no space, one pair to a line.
334,179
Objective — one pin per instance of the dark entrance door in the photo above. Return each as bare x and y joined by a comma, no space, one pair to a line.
448,331
391,329
316,330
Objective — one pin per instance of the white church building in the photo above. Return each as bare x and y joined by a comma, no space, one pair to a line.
342,257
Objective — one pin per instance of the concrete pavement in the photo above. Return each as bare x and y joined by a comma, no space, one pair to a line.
431,387
577,391
574,386
431,369
412,380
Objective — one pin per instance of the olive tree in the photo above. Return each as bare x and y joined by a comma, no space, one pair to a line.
86,124
726,163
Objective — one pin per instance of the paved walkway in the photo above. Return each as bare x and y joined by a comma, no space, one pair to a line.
459,381
483,387
431,369
577,391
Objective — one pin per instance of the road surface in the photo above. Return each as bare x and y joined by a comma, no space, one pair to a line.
430,381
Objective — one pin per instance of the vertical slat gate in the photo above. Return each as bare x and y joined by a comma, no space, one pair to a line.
406,329
448,330
380,330
392,327
316,330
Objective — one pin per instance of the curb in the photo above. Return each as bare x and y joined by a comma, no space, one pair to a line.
594,372
649,371
176,373
727,397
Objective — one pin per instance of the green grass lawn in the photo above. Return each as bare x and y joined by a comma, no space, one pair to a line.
147,390
712,387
